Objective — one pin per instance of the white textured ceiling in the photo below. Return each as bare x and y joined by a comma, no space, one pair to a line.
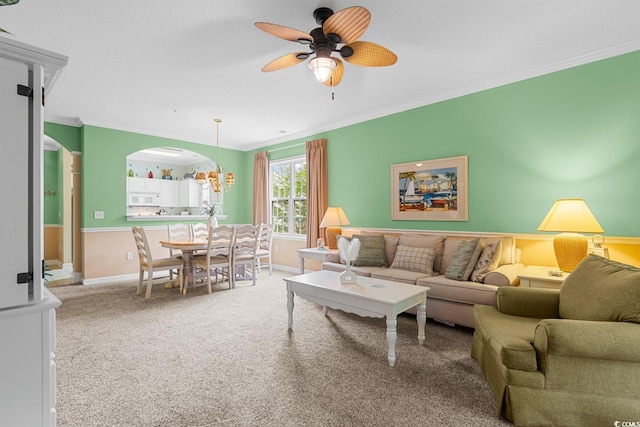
168,68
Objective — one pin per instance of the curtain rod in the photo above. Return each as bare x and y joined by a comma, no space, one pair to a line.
284,148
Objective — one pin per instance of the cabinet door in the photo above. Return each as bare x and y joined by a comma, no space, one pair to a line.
14,134
169,193
195,194
135,184
143,185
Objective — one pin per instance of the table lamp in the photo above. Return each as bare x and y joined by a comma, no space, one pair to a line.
333,218
570,217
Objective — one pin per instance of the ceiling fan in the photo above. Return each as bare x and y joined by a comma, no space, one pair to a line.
341,28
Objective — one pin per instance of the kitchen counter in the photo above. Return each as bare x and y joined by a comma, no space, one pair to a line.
147,217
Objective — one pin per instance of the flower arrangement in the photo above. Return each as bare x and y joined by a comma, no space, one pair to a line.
349,249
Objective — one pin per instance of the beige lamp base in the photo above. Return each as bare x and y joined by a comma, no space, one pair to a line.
332,234
570,249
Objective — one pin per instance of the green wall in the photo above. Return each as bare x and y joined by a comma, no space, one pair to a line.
573,133
67,136
52,183
104,172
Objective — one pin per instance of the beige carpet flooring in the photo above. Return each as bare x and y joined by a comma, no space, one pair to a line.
227,359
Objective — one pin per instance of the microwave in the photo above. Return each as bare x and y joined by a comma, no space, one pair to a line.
144,199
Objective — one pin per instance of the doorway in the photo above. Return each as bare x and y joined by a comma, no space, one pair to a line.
58,215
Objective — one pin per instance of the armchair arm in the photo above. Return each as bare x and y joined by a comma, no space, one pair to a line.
589,339
505,275
529,302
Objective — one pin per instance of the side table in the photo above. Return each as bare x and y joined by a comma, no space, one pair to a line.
314,253
536,276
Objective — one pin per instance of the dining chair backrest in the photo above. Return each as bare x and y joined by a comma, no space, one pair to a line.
265,236
200,231
142,245
178,231
265,239
221,240
246,240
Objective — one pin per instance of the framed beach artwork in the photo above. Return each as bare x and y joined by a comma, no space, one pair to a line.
430,190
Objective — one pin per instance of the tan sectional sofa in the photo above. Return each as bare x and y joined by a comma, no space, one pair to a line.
449,300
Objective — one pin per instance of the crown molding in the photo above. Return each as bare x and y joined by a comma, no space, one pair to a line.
68,121
606,53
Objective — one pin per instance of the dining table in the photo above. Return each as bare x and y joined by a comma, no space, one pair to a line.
188,246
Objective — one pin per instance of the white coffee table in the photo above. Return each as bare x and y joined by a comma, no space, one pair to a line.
368,298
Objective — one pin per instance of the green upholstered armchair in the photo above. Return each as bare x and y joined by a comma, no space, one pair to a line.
569,357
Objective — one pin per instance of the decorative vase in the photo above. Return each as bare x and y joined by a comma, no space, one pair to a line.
212,221
348,277
349,249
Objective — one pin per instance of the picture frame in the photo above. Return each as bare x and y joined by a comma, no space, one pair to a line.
431,190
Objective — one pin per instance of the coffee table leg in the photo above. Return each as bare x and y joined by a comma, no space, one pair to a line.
325,310
290,308
422,321
392,322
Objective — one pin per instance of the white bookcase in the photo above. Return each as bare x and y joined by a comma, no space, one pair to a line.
27,308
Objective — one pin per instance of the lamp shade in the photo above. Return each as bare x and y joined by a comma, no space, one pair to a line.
570,216
333,218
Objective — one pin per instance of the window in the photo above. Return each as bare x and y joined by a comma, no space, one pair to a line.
288,198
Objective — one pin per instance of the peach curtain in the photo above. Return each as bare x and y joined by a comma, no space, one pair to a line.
260,188
317,188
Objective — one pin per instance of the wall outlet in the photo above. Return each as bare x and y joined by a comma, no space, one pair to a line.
98,214
129,256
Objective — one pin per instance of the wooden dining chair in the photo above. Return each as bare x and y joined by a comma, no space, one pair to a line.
177,231
219,253
265,239
200,230
244,251
150,265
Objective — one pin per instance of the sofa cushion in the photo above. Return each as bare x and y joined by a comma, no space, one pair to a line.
414,259
371,251
395,275
488,260
425,241
464,259
360,271
603,290
390,248
457,291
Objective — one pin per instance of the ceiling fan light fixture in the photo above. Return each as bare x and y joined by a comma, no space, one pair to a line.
322,67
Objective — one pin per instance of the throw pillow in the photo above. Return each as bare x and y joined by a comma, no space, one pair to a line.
372,252
464,259
602,290
488,261
425,241
414,259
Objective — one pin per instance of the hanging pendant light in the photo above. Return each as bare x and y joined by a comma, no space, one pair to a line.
217,184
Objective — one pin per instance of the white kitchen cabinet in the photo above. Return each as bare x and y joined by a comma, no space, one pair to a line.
27,309
143,185
190,194
169,193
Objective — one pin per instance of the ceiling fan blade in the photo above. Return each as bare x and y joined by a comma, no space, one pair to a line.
284,32
369,54
336,75
349,23
285,61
